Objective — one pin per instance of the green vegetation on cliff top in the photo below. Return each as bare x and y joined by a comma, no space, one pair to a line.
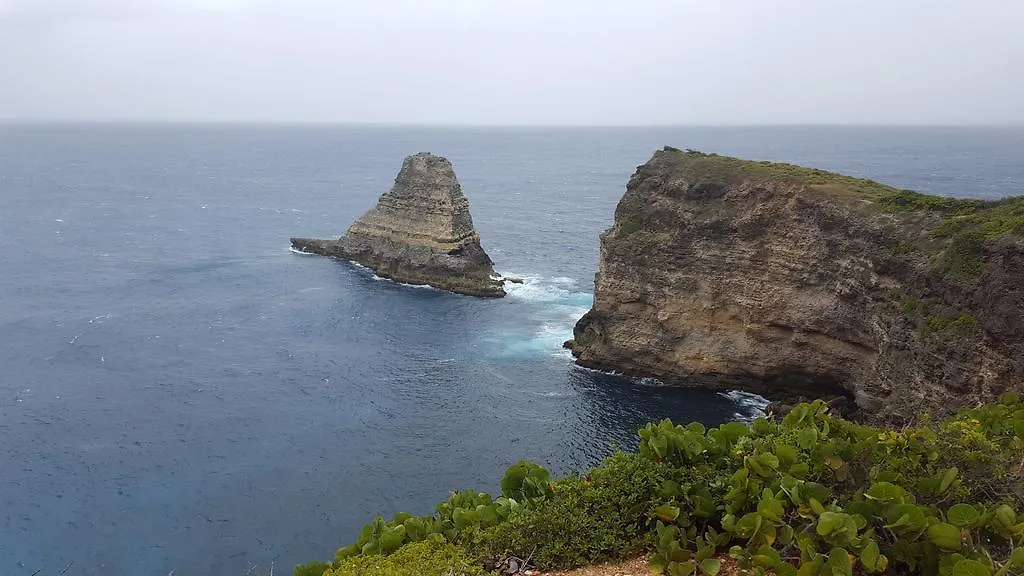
993,218
810,495
968,225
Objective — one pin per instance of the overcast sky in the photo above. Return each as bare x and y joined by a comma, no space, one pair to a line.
598,62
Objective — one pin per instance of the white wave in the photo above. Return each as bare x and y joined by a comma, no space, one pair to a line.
560,290
597,370
752,405
553,394
383,279
303,252
554,304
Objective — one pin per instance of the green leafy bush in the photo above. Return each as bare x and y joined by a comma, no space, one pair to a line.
416,559
809,495
586,519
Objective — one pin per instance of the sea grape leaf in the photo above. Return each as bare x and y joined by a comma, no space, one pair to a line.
807,437
945,536
1017,558
971,568
963,515
667,512
947,479
886,493
710,566
869,557
770,507
838,563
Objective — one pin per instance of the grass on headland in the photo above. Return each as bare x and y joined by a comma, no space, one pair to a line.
968,225
810,495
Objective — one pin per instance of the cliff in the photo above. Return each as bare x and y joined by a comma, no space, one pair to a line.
793,282
420,232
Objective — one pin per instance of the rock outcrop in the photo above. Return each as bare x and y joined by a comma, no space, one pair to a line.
798,283
420,232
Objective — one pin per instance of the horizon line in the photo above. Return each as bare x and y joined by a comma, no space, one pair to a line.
169,122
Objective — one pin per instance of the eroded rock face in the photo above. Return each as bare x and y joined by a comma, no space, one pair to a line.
792,282
420,232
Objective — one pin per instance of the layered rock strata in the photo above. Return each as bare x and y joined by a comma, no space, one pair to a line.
420,232
798,283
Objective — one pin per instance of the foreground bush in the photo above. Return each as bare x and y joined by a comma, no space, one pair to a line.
810,495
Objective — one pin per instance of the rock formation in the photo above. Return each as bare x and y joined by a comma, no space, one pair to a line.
799,283
420,232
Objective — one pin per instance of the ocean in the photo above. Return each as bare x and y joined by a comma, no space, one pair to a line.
179,392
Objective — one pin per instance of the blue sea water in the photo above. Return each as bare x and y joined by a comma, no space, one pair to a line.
180,392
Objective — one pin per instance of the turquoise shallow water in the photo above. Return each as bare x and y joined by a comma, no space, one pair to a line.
181,392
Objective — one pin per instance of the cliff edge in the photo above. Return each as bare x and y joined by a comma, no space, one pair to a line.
420,232
794,282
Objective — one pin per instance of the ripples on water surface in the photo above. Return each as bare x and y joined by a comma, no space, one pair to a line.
180,391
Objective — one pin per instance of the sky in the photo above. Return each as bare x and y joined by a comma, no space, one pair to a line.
515,62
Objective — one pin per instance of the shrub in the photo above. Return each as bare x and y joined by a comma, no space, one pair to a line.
809,495
627,228
586,519
416,559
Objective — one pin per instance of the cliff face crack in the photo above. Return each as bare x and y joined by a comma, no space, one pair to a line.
797,283
420,232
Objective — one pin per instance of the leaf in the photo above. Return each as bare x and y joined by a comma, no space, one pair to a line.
770,508
1017,558
657,565
1005,516
807,437
347,551
947,479
815,491
767,557
886,493
945,536
869,557
827,523
710,566
906,518
749,524
971,568
834,462
785,569
785,534
838,563
669,489
963,515
787,455
800,469
667,512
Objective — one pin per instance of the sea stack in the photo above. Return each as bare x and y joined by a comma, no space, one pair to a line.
420,232
798,283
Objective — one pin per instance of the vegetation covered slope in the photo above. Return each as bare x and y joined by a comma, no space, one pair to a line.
812,494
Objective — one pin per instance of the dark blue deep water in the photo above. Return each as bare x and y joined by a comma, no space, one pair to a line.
179,391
